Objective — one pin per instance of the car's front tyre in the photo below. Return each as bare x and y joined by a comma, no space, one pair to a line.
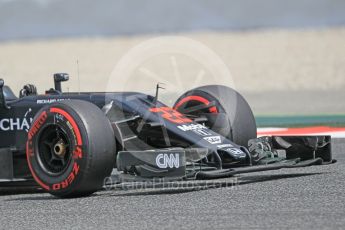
70,148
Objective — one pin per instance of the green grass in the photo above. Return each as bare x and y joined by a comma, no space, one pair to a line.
300,121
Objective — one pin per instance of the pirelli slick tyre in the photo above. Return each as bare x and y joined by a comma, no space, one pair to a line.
227,111
70,148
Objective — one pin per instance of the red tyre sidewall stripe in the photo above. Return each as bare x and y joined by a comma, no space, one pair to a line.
195,98
46,187
71,120
30,136
79,143
191,98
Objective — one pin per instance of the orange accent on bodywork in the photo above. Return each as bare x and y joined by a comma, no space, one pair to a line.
171,115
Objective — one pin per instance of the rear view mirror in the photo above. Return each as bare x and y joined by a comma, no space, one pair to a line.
58,78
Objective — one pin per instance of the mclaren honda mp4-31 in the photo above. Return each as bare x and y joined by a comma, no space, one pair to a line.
68,143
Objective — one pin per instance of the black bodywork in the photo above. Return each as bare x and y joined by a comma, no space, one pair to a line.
147,132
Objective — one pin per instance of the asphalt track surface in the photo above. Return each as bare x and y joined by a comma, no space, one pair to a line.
303,198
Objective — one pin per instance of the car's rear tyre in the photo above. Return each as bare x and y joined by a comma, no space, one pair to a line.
228,112
71,148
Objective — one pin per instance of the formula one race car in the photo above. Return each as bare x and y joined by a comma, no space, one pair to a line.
70,142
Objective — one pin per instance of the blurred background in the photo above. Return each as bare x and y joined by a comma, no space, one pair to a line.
285,57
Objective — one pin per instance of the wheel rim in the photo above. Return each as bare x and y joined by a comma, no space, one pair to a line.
54,150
